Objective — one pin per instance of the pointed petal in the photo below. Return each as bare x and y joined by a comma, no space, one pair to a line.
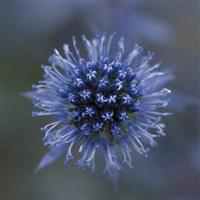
50,157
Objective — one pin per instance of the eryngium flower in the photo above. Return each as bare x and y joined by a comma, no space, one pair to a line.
107,102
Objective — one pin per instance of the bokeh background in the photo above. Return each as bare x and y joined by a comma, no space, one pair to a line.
30,30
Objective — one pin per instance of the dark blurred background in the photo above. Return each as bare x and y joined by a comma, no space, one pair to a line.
30,30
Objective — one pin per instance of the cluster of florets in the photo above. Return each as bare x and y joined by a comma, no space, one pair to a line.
103,102
103,95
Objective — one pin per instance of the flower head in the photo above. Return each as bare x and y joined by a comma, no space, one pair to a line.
108,102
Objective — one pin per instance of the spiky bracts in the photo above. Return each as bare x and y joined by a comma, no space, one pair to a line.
105,102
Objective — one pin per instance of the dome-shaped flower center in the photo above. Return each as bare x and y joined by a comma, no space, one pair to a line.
102,94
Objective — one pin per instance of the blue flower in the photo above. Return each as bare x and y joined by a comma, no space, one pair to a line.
107,102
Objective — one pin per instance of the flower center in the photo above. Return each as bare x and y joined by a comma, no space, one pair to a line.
103,96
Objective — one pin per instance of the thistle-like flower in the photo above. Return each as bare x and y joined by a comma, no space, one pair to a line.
107,103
